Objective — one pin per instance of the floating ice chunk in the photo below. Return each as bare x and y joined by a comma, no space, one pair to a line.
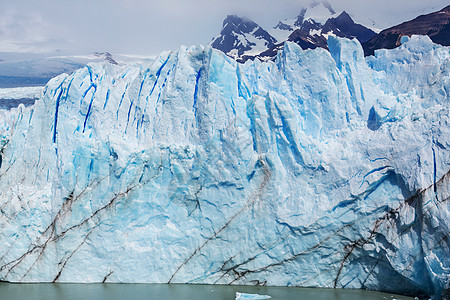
240,296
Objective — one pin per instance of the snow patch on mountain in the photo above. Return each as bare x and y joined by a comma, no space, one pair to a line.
310,20
241,37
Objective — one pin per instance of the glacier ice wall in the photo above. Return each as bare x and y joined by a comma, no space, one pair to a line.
320,169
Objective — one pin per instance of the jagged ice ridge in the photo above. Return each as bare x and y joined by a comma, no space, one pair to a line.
319,169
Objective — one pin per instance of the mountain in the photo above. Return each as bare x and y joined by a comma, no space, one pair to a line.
307,38
37,70
310,29
241,36
106,56
50,66
436,25
310,21
344,26
320,169
304,40
341,26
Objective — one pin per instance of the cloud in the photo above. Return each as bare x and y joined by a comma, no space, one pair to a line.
25,32
151,26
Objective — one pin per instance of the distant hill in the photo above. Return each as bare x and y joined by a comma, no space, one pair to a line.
21,71
436,25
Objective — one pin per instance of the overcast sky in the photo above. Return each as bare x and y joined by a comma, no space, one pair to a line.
147,27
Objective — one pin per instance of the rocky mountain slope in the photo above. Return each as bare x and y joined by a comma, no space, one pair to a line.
436,25
242,37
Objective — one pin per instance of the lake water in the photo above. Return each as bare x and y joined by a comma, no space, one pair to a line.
14,81
175,291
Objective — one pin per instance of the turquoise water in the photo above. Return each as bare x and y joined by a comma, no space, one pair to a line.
175,291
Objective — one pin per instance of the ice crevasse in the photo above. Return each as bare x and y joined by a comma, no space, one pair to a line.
322,169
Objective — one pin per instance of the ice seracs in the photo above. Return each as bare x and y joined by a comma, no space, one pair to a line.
322,168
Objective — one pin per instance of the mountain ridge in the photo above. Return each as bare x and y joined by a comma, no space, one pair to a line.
309,29
240,35
436,25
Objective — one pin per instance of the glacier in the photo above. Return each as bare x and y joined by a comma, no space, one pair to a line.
320,169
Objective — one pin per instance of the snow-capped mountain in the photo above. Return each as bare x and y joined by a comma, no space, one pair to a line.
344,26
321,19
242,37
436,25
310,21
106,56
